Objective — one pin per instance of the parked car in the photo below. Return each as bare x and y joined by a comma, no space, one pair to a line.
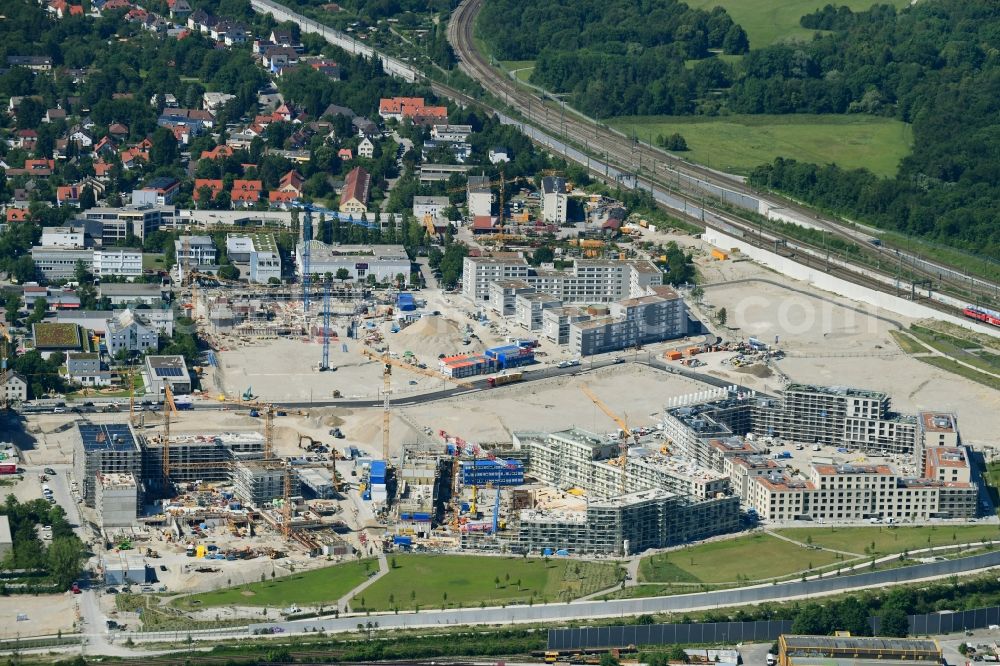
50,471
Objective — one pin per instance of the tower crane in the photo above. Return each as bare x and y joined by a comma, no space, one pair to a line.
325,363
625,436
168,406
413,368
5,341
386,389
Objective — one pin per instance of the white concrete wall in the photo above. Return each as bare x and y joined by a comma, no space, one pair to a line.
839,286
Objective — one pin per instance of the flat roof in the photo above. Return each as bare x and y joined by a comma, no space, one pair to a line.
819,643
938,421
5,530
107,437
847,391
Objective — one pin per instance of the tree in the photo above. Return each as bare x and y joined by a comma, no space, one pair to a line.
894,622
677,653
608,659
87,199
64,557
810,620
229,272
23,269
343,275
164,151
722,316
543,254
38,311
81,273
736,41
676,143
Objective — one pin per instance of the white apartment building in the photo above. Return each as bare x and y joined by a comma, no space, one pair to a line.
837,493
195,251
554,199
528,309
634,321
451,133
118,261
479,272
589,281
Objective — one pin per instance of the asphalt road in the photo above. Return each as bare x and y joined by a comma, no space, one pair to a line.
642,358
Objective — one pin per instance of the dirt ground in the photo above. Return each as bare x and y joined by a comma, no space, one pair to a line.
47,614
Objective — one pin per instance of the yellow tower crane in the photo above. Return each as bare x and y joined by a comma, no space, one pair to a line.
168,406
625,437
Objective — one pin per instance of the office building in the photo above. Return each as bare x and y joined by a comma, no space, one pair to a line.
160,371
258,252
385,262
118,262
59,263
120,224
195,251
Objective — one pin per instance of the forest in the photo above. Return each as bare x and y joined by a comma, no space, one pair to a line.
935,65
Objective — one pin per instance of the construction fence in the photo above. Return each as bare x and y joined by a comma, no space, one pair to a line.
697,633
721,633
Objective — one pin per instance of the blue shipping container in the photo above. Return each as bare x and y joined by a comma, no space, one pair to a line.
402,540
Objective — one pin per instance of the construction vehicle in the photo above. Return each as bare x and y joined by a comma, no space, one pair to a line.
501,380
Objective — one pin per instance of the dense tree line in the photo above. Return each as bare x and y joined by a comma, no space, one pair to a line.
616,57
61,560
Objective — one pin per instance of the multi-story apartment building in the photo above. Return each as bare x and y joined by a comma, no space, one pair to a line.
588,281
195,251
478,273
836,415
852,492
479,196
528,308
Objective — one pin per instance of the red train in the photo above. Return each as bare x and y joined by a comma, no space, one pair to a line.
982,314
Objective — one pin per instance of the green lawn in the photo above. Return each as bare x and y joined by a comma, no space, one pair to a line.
906,343
755,557
319,586
741,142
769,21
522,68
152,262
424,580
889,540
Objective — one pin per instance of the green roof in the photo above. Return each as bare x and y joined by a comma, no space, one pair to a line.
50,335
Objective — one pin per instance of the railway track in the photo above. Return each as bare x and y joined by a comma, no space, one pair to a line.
692,183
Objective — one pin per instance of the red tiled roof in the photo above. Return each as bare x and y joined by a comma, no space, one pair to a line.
356,186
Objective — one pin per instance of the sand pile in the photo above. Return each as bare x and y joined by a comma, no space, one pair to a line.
428,337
